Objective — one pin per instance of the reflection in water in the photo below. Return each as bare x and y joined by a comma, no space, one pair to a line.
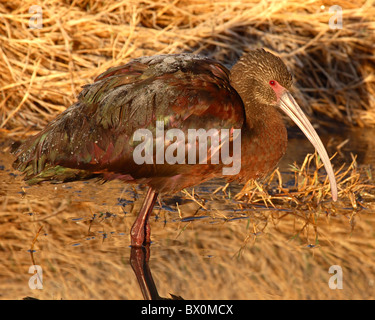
231,252
139,260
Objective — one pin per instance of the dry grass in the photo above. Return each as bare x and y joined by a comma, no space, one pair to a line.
43,69
282,238
309,199
311,185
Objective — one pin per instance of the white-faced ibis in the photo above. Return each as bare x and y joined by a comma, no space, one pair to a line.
94,137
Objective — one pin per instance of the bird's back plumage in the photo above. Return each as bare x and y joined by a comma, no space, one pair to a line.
93,137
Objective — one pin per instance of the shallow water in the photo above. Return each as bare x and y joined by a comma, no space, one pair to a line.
79,234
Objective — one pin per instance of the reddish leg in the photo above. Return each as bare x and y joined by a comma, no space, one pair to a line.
141,231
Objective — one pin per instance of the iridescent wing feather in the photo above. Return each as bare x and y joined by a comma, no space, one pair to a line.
94,137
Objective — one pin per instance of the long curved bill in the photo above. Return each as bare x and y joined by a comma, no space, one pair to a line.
292,109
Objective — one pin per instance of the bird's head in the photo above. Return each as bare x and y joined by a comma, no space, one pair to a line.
261,76
263,80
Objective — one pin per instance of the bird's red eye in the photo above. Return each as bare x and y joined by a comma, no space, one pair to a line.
272,82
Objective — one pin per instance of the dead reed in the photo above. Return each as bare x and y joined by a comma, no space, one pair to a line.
43,69
311,185
307,198
294,233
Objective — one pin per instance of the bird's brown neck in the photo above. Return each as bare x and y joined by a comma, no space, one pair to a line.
262,131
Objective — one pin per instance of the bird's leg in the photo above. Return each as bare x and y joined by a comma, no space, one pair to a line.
141,232
147,232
